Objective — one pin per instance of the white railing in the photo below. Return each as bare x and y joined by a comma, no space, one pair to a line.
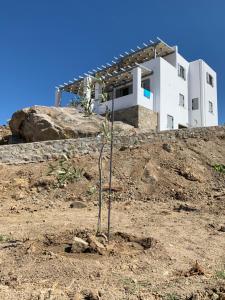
145,99
119,103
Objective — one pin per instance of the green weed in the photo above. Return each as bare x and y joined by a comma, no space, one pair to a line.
220,274
3,238
65,172
172,297
219,168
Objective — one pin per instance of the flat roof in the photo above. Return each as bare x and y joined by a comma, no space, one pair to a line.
119,69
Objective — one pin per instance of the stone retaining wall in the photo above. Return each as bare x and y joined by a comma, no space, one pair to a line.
49,150
138,116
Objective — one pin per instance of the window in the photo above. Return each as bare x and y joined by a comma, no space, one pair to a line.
209,79
181,100
181,72
210,107
124,91
169,122
180,126
195,104
146,84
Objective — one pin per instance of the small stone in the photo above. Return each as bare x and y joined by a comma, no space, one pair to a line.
18,196
92,295
150,174
167,147
214,296
222,228
95,245
77,204
79,245
77,297
195,297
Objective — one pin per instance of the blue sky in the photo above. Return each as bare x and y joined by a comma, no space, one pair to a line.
48,42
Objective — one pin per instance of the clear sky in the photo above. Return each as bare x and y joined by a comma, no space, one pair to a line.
48,42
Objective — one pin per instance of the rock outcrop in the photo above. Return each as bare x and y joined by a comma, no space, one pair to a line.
41,123
5,134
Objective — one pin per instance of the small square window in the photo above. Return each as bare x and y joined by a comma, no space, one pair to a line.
170,122
181,72
181,100
209,79
195,104
210,107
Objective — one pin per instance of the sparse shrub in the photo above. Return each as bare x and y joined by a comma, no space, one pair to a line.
130,285
84,101
74,102
133,286
3,238
172,297
220,274
219,168
92,190
65,172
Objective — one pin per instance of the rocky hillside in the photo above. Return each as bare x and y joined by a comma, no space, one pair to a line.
168,226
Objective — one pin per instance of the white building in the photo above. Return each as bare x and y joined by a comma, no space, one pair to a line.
153,87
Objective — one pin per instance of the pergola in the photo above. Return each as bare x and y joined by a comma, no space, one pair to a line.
119,70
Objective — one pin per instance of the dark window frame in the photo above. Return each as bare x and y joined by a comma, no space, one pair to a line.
124,91
211,110
183,99
181,72
210,79
195,107
172,119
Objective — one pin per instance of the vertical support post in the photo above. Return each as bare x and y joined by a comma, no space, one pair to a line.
87,88
87,94
155,52
136,83
98,91
114,93
98,96
110,171
58,96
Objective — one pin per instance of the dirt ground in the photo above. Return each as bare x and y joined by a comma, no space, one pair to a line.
167,236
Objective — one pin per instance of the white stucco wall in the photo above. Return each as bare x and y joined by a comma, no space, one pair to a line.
209,94
144,101
166,86
199,88
172,59
154,65
119,103
171,87
195,91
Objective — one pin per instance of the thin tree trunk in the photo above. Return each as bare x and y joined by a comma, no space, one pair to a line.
99,226
110,172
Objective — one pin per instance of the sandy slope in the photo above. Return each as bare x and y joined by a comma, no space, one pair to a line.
170,194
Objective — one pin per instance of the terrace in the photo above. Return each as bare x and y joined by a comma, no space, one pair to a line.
126,79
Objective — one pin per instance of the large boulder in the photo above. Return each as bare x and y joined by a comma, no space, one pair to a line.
41,123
